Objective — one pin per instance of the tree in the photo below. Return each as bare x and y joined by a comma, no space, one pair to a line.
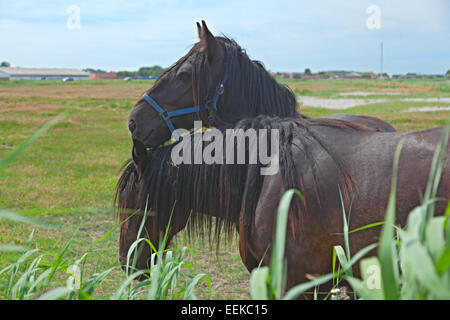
91,70
154,71
126,74
447,74
5,64
308,71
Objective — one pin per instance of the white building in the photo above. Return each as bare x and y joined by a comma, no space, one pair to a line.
7,73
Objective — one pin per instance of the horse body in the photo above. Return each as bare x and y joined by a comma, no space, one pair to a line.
370,122
320,157
358,165
368,157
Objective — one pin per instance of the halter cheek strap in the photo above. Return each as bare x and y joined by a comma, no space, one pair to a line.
166,115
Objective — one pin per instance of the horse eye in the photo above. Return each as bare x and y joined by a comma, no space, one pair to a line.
184,76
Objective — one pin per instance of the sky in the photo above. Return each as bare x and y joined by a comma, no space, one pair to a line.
285,35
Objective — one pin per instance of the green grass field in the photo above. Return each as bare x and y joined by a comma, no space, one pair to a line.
73,167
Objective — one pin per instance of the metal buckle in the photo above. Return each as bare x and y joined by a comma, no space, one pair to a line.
165,115
220,89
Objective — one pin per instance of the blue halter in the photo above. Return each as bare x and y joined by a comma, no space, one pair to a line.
166,115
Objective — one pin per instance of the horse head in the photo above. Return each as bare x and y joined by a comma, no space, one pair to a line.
188,83
215,82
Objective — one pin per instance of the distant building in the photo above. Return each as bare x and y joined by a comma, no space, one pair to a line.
286,75
107,75
353,75
338,73
7,73
439,76
310,77
331,75
368,75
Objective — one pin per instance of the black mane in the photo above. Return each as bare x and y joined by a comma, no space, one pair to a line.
223,190
253,89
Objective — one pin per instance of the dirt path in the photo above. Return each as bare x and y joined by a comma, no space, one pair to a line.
344,103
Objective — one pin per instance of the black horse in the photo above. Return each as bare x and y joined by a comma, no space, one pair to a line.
218,83
357,161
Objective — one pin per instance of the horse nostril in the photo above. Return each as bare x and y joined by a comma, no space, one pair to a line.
131,126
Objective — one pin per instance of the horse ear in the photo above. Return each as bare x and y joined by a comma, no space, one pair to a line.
209,42
199,31
140,156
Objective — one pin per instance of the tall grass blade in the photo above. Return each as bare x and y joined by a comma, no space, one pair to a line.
58,261
16,217
92,283
386,245
301,288
189,293
122,292
277,262
10,156
346,233
55,294
436,168
258,283
338,251
12,248
372,225
434,237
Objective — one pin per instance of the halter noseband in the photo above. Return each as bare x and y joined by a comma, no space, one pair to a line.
166,115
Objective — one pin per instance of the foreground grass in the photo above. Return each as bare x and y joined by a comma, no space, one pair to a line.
76,165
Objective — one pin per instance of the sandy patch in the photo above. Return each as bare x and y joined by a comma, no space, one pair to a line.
22,106
67,91
335,103
426,100
427,109
350,103
367,93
